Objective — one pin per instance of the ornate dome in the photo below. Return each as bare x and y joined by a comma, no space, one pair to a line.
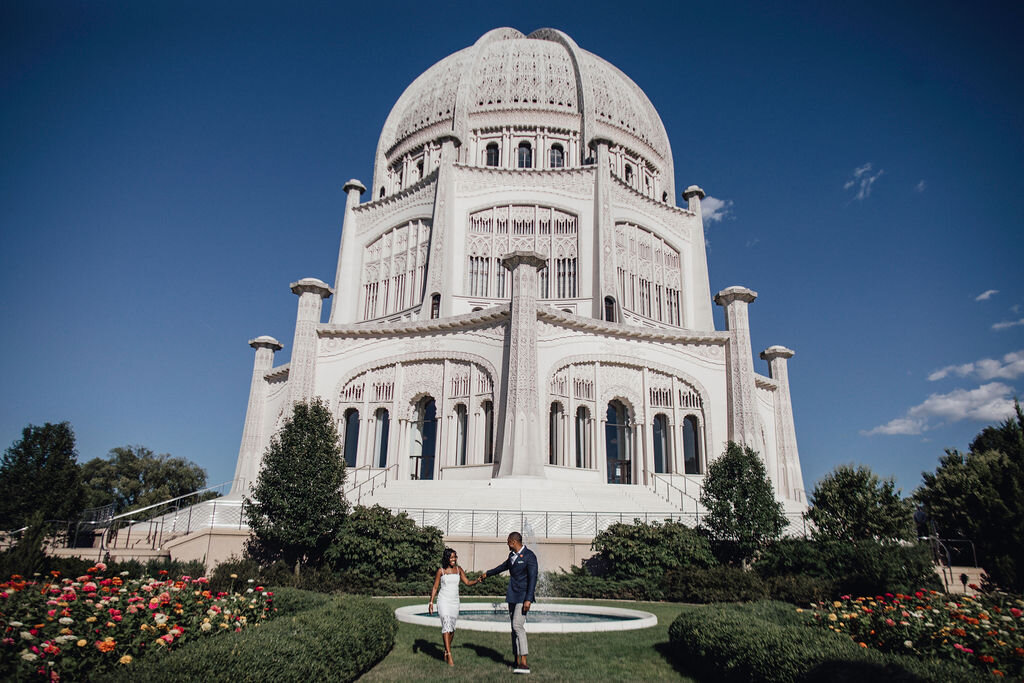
511,79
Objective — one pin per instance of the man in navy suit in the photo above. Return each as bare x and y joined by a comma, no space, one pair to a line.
521,566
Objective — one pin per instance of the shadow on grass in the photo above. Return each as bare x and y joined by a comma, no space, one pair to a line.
488,652
429,648
671,656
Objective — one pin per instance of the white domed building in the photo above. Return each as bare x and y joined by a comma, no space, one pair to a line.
521,319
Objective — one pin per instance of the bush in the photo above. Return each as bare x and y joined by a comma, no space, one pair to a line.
338,640
717,584
579,584
765,642
637,550
799,589
375,542
861,567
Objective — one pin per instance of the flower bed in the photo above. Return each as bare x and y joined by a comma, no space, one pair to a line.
82,627
982,631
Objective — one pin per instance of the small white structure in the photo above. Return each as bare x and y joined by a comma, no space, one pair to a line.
519,296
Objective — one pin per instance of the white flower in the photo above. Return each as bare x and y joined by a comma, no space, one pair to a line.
29,656
205,626
249,591
16,624
124,573
908,643
66,620
160,618
252,581
25,635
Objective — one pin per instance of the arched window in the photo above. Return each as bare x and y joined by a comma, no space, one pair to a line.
524,155
609,309
557,156
492,157
488,408
629,174
461,431
351,436
661,446
618,444
435,306
582,437
419,170
664,196
382,191
691,446
555,434
380,440
424,443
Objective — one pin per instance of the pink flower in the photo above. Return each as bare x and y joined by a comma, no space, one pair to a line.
890,622
1016,612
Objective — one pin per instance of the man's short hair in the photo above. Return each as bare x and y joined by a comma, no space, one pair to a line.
516,536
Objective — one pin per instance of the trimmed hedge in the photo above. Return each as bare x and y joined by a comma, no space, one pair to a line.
718,584
770,642
579,585
312,638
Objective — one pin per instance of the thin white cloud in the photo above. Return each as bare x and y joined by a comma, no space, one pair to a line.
862,180
1007,324
986,295
901,425
988,403
715,210
1015,308
752,242
1011,366
921,186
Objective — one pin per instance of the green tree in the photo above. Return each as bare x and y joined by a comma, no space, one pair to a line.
382,544
742,513
133,477
297,508
40,473
853,504
980,496
642,550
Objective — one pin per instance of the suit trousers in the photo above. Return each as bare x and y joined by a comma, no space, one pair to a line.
518,619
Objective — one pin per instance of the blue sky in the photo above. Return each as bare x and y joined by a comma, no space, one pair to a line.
167,169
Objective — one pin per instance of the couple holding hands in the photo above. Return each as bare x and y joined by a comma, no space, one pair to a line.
522,568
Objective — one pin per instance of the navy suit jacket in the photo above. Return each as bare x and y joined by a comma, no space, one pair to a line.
522,576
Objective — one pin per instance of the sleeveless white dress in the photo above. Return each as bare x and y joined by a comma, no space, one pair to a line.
448,601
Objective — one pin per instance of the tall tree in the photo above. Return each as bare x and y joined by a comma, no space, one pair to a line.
297,508
980,496
853,504
742,512
39,473
133,477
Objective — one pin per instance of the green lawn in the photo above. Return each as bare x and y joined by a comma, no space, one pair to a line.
480,656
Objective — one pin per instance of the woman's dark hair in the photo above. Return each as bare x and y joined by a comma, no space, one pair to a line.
446,557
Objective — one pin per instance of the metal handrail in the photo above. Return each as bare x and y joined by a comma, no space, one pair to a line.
656,477
371,480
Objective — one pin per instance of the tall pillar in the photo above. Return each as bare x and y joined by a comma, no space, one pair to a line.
520,452
604,276
743,421
348,277
441,263
791,483
302,368
697,307
250,454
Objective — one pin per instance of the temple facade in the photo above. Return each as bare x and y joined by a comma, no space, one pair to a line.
519,295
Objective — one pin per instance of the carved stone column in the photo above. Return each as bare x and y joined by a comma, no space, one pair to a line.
743,422
441,262
791,483
520,450
349,276
697,314
250,454
302,368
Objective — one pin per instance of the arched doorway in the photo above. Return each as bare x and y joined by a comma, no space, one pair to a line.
662,456
380,442
618,444
351,436
424,442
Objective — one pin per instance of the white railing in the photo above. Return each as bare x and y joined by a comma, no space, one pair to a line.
354,494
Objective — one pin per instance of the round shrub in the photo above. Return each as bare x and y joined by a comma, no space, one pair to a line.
630,551
338,640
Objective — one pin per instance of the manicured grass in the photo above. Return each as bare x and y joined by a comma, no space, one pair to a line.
481,656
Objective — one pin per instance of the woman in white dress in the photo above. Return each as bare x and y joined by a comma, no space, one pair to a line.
446,589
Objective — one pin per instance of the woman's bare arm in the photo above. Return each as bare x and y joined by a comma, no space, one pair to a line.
433,592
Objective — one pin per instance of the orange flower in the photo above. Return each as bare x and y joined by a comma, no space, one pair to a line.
105,645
